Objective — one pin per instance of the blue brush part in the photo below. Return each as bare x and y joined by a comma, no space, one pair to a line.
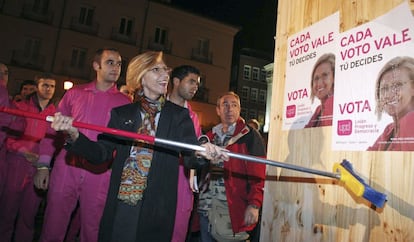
375,197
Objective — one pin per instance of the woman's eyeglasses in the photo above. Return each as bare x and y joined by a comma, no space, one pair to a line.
323,77
159,70
394,88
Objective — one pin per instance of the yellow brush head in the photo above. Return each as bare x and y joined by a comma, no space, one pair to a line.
349,180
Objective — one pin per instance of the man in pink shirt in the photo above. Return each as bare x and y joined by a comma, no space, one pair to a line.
4,120
26,88
185,80
20,200
73,179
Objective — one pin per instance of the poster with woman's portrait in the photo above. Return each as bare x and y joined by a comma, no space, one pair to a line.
310,75
374,85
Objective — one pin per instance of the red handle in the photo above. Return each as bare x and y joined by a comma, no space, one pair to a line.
127,134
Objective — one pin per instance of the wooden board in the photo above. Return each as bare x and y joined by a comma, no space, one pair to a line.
304,207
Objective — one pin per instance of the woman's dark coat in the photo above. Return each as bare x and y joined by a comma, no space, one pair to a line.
157,215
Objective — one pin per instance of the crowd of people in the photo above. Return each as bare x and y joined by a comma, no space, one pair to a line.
107,187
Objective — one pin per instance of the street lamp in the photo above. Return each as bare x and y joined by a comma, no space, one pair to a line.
67,85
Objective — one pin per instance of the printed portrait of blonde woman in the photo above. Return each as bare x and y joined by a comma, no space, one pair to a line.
394,94
322,87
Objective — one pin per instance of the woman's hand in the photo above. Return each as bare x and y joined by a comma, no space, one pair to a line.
64,123
213,153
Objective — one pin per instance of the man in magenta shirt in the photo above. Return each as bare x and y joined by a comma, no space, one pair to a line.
73,179
185,81
20,200
4,120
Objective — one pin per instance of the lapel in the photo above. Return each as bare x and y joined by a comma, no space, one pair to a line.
164,123
130,117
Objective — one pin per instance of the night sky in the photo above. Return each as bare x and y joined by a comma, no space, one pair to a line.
257,18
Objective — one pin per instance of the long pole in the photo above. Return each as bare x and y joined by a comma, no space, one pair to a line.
155,141
345,172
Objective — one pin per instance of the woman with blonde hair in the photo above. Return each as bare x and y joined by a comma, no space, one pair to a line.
322,87
142,196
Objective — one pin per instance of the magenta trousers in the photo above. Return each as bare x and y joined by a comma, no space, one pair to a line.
68,185
184,207
19,201
3,167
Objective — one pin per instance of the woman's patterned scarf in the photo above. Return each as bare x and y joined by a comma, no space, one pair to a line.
137,165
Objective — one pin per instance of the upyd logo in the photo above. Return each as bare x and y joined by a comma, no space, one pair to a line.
290,111
344,127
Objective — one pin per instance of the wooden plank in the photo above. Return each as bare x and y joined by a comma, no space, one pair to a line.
297,206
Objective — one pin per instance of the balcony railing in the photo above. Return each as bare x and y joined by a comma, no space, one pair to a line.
39,16
84,28
68,69
1,5
197,55
166,48
20,58
128,39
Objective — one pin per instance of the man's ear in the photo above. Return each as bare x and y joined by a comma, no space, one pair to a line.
96,66
176,81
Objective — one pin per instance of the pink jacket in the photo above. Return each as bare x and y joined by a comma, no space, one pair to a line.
36,136
184,193
87,104
4,118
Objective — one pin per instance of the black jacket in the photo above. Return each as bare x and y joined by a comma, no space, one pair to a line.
157,215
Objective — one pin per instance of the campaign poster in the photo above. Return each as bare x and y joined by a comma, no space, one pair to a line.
374,89
309,79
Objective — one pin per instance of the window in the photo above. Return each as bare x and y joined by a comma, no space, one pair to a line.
86,15
253,95
32,48
263,75
252,113
255,73
201,51
78,58
243,113
262,97
247,72
160,36
245,94
125,26
203,46
40,6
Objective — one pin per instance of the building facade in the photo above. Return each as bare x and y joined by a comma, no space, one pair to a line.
61,37
249,80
